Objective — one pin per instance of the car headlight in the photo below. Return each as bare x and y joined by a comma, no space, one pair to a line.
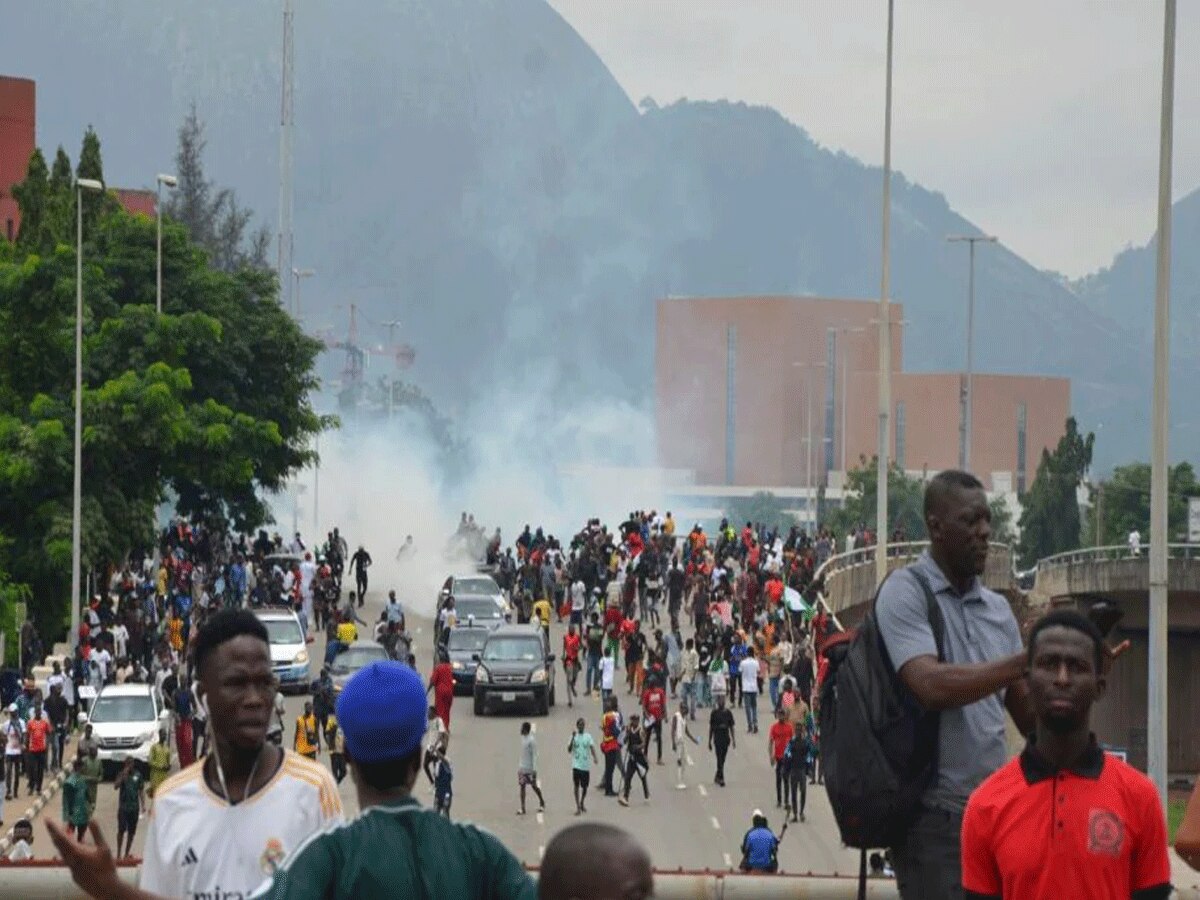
456,666
538,677
301,657
481,675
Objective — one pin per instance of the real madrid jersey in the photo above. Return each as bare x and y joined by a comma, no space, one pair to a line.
202,847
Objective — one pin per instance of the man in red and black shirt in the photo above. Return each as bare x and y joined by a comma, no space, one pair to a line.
1065,819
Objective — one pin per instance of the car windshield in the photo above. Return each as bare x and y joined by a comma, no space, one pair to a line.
283,631
122,709
476,587
466,639
355,658
479,607
513,649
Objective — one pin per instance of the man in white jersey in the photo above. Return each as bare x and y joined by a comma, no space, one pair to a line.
222,825
680,733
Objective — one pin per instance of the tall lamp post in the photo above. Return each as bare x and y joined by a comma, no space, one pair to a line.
838,332
297,276
1156,701
809,492
964,428
885,325
170,181
81,185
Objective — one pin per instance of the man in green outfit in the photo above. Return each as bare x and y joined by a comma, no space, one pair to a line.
396,848
75,809
93,774
131,803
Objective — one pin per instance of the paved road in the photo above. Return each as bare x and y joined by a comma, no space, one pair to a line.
698,828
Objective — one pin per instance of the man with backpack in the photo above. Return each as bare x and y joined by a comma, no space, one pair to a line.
945,652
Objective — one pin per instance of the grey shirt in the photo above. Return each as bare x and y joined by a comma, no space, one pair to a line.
528,754
980,627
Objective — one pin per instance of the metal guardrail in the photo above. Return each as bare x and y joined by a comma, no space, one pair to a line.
1115,552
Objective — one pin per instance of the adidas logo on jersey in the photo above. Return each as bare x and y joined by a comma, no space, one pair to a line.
190,857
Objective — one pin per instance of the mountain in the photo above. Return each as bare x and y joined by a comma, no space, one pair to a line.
472,169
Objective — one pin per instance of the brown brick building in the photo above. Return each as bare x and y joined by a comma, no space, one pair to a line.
753,391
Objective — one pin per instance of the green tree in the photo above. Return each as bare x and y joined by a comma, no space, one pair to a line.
208,403
1121,503
33,196
1050,521
906,497
763,507
1002,522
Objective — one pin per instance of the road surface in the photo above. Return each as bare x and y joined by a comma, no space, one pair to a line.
698,828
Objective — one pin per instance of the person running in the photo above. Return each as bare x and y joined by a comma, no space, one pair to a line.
395,848
1065,819
583,754
441,683
571,662
594,638
595,861
679,732
654,710
610,744
527,768
359,563
75,809
635,760
436,739
607,675
542,611
204,838
721,735
131,803
307,737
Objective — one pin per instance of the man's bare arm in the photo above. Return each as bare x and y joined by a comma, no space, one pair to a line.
940,685
92,867
1016,699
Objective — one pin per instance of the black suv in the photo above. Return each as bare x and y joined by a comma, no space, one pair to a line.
515,665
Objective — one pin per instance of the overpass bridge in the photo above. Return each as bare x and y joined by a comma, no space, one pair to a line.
1079,578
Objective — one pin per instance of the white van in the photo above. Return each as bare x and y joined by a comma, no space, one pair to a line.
289,648
126,720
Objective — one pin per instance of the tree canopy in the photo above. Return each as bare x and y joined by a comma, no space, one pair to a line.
206,406
906,496
763,508
1050,521
1121,503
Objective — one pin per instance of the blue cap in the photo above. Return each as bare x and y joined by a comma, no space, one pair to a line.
382,712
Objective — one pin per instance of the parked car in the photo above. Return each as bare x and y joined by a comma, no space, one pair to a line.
289,648
515,666
126,720
357,656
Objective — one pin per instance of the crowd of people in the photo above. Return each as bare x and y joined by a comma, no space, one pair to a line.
747,601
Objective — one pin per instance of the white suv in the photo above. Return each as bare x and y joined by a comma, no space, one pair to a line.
289,648
126,719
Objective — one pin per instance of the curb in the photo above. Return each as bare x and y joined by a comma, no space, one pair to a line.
38,805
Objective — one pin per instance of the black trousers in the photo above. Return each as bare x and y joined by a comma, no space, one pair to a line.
722,749
611,758
798,781
928,863
36,770
638,765
337,764
655,732
781,781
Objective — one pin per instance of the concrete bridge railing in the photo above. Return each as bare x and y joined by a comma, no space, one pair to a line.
848,579
1114,571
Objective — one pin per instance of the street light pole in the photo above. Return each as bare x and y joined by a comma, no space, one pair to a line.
967,396
885,327
845,382
81,185
170,181
1156,701
297,275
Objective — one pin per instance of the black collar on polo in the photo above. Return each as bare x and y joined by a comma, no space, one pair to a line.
1035,767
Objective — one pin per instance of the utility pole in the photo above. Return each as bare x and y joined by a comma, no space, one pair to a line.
885,326
1156,701
966,394
286,127
391,327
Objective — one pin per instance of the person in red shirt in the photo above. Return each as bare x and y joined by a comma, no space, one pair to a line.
610,745
37,742
1065,819
571,661
441,682
654,709
777,740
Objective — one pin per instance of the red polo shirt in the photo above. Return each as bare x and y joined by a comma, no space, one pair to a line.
1095,830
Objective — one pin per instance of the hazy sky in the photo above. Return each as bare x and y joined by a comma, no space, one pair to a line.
1038,120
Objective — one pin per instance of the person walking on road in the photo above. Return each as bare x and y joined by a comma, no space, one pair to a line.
307,738
131,803
654,710
749,672
680,732
441,682
721,735
37,744
582,748
359,563
610,744
607,674
689,665
571,647
635,760
778,738
594,639
75,809
159,761
796,760
527,768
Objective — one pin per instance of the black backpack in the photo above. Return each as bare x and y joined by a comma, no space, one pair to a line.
878,745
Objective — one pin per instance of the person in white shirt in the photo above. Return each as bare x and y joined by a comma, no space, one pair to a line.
679,734
578,602
607,668
103,659
120,636
222,825
1135,543
749,671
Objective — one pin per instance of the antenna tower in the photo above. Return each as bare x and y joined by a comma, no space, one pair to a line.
286,125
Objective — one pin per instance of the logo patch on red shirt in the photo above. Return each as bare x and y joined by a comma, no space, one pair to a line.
1106,833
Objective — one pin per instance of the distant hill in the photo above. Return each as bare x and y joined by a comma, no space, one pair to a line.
471,168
